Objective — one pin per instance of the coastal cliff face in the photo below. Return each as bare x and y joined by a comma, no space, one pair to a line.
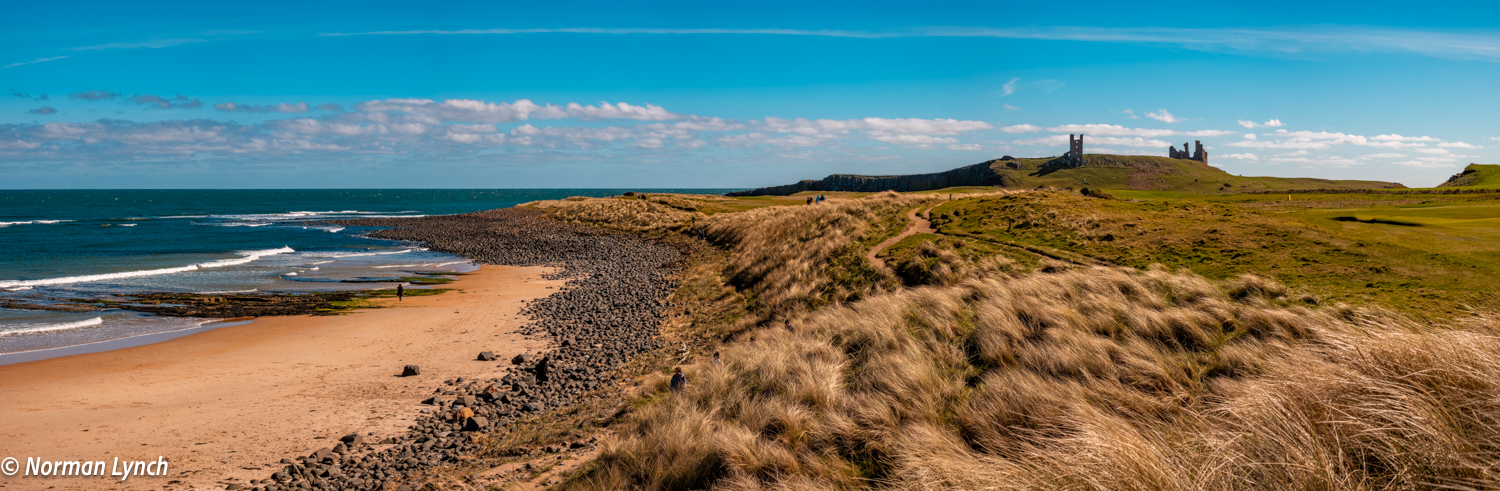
981,174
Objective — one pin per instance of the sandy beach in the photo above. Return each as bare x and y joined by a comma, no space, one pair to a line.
223,406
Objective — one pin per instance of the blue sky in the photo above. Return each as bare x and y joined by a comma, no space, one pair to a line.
697,94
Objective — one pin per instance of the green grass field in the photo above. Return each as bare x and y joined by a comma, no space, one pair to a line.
1421,254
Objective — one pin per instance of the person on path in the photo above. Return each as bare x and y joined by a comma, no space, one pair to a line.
678,380
542,369
809,200
400,292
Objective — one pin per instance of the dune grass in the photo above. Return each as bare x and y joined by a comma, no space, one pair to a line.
1098,378
985,363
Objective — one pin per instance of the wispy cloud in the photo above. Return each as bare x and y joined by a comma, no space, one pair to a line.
300,107
1309,39
44,110
93,95
179,102
158,43
1010,87
38,60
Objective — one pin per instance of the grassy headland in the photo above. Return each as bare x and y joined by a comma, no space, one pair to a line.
1130,339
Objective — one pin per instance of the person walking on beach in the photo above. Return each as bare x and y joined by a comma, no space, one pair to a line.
400,292
542,369
678,380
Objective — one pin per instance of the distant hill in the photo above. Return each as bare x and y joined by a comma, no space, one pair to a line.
1098,170
1475,176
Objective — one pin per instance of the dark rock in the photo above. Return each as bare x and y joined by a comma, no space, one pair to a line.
486,356
411,370
353,439
520,359
476,423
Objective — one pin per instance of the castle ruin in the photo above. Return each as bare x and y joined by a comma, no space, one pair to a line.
1075,150
1198,154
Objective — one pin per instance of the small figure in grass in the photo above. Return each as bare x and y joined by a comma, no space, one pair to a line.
400,292
809,200
715,362
678,380
789,327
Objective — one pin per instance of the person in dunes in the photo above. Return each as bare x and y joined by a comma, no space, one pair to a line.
679,380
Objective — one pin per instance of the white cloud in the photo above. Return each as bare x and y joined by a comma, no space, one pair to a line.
1009,107
1496,138
1275,123
1321,140
1021,128
1109,129
1249,136
1382,156
1458,145
1399,138
476,111
1163,116
464,137
284,108
1206,133
1010,87
967,147
1062,140
913,139
1436,151
1238,156
472,128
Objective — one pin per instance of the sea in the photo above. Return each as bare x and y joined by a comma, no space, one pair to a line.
57,245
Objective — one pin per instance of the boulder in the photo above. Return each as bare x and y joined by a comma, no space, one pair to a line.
520,359
433,401
411,370
353,439
486,356
476,423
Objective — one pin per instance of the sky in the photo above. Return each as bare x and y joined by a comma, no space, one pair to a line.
729,95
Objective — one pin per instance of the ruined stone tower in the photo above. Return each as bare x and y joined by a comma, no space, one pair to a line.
1197,154
1075,150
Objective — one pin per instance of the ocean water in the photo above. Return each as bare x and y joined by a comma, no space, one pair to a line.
62,244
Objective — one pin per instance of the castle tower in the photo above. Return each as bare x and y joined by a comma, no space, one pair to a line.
1198,150
1075,149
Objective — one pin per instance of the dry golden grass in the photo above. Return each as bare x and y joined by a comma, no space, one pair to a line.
1066,378
1087,379
626,214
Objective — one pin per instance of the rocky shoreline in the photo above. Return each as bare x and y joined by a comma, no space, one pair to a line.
608,312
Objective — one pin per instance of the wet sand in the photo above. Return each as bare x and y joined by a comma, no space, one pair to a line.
224,405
